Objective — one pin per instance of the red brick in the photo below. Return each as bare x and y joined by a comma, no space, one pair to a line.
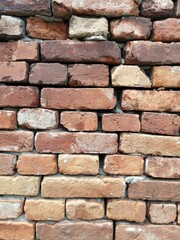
78,98
178,219
27,51
48,73
79,52
38,27
16,96
123,165
120,122
152,53
37,164
10,207
8,119
64,142
7,164
16,141
160,123
102,230
88,75
151,100
79,121
7,51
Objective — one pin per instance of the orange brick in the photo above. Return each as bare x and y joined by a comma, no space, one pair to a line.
8,119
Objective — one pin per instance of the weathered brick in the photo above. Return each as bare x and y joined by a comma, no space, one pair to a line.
37,118
129,76
87,27
178,218
38,27
64,142
17,230
85,187
16,141
114,8
99,230
78,164
7,51
11,207
88,75
7,164
152,53
79,121
16,96
84,209
13,72
78,52
135,143
159,167
166,76
155,190
130,28
146,232
132,211
156,9
178,9
160,123
11,27
120,122
162,213
8,119
148,100
123,164
44,209
37,164
19,185
27,51
48,73
78,98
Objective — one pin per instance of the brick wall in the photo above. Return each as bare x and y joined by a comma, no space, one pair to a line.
89,120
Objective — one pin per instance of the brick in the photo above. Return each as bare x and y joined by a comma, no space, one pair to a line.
123,165
79,52
7,51
156,9
84,209
102,230
16,230
16,96
16,141
88,75
8,119
19,185
71,164
135,143
148,100
129,76
44,209
25,8
10,207
127,210
85,187
160,123
37,118
159,167
27,51
79,121
43,28
178,217
13,72
48,73
166,30
36,164
166,76
155,190
162,213
64,142
178,9
130,28
80,27
78,98
157,53
7,164
146,232
11,27
120,122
